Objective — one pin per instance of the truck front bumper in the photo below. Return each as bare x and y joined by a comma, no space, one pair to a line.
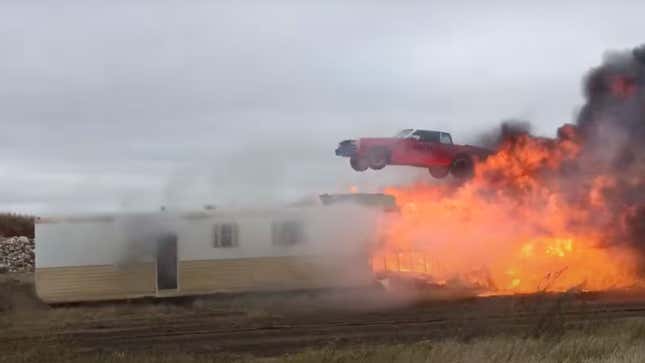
347,148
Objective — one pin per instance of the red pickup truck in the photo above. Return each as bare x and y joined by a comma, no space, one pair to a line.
423,148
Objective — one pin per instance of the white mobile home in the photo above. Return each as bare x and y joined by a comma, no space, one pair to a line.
167,254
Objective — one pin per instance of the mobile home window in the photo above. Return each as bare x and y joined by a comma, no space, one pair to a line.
225,235
288,233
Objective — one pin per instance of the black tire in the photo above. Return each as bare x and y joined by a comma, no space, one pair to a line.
378,158
358,164
462,167
439,171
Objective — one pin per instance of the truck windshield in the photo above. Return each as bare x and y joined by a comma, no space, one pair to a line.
403,133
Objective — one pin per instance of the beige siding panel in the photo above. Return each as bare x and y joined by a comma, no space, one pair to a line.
271,273
92,283
214,275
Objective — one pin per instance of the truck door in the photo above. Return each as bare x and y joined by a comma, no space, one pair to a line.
409,152
444,149
426,148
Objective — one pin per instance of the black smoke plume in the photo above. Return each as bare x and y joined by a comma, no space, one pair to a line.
612,126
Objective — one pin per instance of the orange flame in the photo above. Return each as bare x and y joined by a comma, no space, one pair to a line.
513,228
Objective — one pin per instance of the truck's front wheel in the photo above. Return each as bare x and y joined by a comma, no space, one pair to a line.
358,164
378,158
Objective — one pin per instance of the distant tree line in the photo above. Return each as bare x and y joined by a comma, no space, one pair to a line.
16,225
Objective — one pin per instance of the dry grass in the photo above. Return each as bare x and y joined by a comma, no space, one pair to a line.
550,339
617,342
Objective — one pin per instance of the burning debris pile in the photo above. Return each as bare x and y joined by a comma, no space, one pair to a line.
540,214
16,254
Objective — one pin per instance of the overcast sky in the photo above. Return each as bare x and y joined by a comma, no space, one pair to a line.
113,105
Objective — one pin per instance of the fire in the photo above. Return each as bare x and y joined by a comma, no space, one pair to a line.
518,226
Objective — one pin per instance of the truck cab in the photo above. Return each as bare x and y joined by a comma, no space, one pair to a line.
426,135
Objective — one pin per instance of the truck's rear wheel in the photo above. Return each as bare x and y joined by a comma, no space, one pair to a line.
439,171
358,164
462,167
378,158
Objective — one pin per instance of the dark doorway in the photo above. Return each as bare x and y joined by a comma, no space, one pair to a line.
167,262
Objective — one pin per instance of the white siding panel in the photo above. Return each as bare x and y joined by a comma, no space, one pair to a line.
328,230
76,244
126,239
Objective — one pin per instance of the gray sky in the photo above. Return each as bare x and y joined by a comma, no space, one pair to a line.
112,105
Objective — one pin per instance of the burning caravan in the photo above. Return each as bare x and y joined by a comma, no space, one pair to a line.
167,254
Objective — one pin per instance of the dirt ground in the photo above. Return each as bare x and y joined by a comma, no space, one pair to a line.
274,324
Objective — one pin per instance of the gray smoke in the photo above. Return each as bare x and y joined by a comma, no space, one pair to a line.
612,121
611,126
508,129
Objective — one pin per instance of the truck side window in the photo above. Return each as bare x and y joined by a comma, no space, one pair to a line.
445,138
427,136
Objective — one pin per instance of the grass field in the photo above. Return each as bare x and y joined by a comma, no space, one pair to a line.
323,327
617,342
